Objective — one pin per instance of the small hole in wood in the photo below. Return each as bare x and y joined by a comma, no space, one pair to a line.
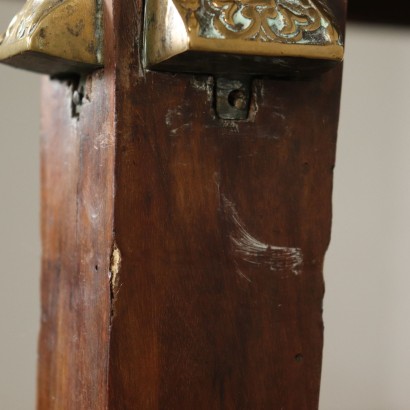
237,99
299,357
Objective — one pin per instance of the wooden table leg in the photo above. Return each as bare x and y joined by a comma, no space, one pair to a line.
182,253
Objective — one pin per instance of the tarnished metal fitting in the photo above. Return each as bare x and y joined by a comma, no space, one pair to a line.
55,37
240,36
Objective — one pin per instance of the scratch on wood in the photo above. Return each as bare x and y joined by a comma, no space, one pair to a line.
231,125
103,141
202,84
176,130
172,113
257,95
115,267
255,252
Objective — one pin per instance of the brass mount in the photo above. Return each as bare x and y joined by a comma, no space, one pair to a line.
55,37
237,40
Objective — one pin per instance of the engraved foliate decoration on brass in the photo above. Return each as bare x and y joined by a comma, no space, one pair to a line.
54,37
266,28
264,20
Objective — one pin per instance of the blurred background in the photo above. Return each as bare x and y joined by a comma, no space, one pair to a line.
367,304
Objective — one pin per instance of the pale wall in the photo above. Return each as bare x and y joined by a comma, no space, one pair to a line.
367,307
19,231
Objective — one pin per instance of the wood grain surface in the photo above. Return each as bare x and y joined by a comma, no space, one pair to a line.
77,177
213,233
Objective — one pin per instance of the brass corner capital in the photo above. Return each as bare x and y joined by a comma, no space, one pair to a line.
180,31
55,37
